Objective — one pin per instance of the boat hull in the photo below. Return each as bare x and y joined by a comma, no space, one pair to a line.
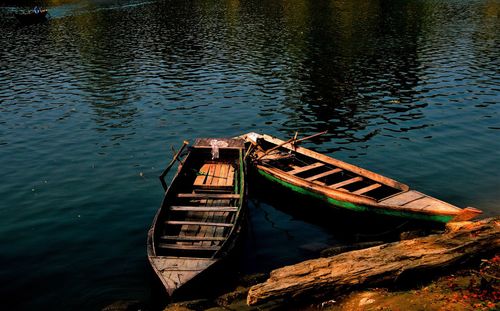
344,185
200,221
349,206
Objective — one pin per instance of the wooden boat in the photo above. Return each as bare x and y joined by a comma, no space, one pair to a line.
344,185
201,216
32,17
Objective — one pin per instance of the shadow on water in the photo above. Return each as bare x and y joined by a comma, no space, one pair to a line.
343,227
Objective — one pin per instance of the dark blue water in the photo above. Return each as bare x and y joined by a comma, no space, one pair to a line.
92,101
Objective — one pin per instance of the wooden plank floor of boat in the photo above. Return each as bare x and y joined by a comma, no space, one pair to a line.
209,208
416,200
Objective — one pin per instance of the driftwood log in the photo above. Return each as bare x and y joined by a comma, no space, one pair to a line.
382,264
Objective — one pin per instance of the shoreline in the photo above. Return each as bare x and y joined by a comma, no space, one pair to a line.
470,281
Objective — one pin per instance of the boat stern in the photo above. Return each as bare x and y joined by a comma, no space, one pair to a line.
175,272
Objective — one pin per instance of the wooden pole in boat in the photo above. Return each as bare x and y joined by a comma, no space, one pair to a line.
180,161
290,141
294,140
176,156
309,137
248,151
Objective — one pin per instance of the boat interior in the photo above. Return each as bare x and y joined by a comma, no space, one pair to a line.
325,174
202,205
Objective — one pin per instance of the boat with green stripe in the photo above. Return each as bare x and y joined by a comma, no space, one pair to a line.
343,185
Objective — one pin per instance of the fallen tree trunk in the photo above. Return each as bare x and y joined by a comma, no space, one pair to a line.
380,264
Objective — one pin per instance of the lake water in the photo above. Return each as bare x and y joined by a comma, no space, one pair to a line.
92,101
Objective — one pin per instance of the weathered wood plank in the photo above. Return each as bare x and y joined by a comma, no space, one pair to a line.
208,195
209,231
222,217
305,168
367,189
403,198
198,223
230,176
201,179
222,180
204,208
429,203
380,264
324,174
346,182
191,238
211,173
188,247
207,217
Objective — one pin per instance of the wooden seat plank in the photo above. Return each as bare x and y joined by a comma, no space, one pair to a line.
203,208
324,174
367,189
217,175
191,238
188,247
198,223
211,173
208,195
346,182
222,180
305,168
201,179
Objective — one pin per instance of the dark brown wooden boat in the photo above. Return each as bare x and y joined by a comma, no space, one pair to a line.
344,185
201,216
32,17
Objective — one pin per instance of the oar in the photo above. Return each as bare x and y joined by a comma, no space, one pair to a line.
176,156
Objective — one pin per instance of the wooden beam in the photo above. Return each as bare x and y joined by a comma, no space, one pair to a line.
203,208
346,182
324,174
188,247
305,168
208,195
367,189
198,223
191,238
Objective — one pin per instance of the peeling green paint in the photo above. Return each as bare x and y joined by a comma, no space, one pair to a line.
354,207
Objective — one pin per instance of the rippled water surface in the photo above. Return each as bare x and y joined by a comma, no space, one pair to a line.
92,100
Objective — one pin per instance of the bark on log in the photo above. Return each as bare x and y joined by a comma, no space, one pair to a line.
380,264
